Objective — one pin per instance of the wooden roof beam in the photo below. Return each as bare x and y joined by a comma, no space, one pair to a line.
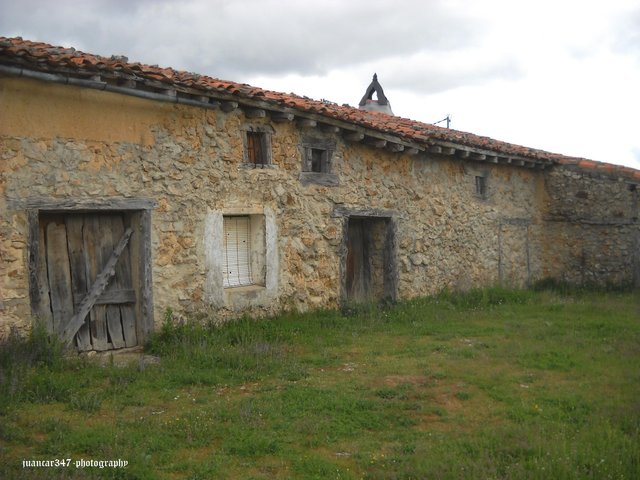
226,106
306,123
411,151
255,112
354,136
375,142
329,128
282,117
395,147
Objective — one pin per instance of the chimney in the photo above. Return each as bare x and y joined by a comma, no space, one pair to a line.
381,104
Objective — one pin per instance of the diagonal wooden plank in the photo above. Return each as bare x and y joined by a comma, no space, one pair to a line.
113,229
94,239
101,282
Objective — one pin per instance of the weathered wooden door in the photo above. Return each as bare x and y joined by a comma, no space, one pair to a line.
369,267
85,275
358,271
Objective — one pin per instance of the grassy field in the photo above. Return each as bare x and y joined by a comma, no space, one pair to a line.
487,385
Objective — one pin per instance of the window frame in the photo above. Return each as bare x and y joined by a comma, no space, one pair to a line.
254,273
318,151
236,251
481,186
325,147
261,133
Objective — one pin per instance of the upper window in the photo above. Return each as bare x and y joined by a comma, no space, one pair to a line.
319,161
317,155
257,146
481,186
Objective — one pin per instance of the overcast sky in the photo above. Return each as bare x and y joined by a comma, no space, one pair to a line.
559,75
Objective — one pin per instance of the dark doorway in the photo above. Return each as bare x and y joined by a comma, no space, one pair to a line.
370,266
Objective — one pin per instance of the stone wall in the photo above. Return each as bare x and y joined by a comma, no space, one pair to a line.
593,232
73,143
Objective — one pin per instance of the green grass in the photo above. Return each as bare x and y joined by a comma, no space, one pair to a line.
491,384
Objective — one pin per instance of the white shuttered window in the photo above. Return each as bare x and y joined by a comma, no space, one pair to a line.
237,251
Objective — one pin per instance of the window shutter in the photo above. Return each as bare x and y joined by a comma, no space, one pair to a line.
237,252
307,159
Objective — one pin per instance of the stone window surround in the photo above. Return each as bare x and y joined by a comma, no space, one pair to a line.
479,181
327,177
238,298
266,131
255,251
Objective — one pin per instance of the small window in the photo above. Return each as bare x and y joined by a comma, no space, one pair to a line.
319,160
237,252
317,155
481,186
257,147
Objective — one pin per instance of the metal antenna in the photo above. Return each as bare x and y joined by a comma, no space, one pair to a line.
445,119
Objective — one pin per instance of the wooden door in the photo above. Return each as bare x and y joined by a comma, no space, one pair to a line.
85,275
358,273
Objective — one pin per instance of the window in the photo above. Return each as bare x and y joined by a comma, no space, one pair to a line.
237,252
317,162
243,250
481,186
317,155
257,147
241,257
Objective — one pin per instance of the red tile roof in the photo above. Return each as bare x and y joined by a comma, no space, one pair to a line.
69,61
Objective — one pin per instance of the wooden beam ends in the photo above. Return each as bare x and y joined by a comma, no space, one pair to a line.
329,128
228,106
306,123
375,142
282,117
255,112
354,136
395,147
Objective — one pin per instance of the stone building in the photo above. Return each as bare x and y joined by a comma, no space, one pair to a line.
127,189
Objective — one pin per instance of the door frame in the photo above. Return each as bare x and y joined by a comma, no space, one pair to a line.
390,274
139,211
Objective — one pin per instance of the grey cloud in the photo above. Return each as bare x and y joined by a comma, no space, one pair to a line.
435,77
236,39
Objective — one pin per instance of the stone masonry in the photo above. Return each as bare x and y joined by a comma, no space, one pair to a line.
62,142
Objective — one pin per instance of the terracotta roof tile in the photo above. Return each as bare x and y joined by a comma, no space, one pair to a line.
69,61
